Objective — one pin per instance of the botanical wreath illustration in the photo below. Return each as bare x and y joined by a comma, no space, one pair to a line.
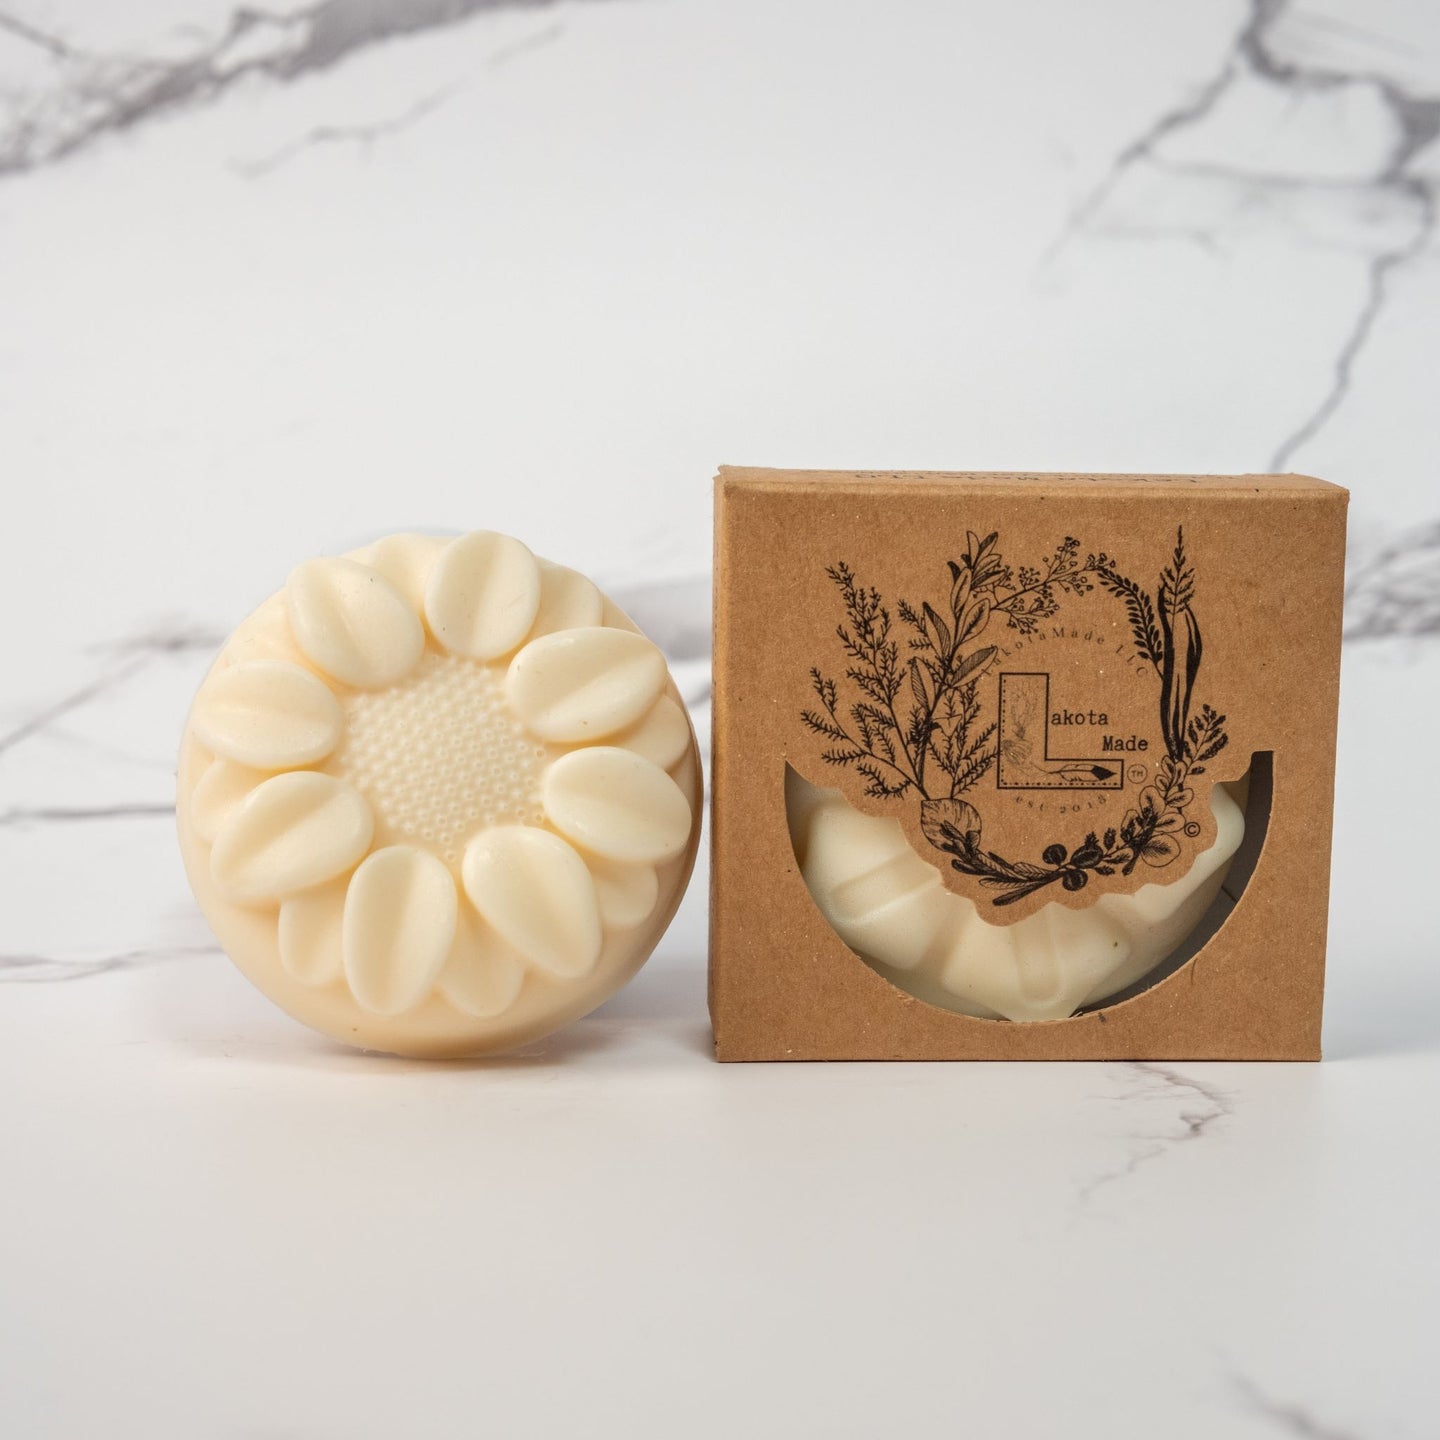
914,722
444,769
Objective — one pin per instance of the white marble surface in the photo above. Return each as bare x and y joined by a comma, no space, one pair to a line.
273,283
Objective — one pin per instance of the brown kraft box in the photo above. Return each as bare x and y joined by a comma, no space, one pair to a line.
1040,678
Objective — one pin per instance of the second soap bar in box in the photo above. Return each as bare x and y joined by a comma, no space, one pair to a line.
1022,766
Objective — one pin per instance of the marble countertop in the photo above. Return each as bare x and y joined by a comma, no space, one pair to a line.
276,280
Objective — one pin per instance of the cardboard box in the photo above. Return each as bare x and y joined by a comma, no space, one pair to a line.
1084,657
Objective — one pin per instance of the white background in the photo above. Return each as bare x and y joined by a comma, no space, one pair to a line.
272,286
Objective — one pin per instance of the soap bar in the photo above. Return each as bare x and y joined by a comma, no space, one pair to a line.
892,908
438,796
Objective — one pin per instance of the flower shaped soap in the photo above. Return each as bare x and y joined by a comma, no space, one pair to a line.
438,797
892,908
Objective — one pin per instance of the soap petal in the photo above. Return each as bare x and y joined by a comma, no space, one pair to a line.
406,561
352,622
293,831
617,804
483,595
567,601
982,965
627,893
578,685
267,714
265,634
482,976
310,934
881,897
537,894
398,928
217,792
1048,945
662,737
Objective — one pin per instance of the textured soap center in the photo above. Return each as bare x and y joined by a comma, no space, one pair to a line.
440,756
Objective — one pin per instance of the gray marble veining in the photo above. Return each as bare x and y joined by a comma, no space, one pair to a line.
92,95
1198,1107
1289,47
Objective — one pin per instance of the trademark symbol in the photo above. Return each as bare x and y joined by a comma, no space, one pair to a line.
1136,774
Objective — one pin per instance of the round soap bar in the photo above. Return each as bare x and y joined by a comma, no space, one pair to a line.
892,908
438,797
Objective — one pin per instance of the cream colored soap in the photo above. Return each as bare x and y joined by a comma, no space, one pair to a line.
438,796
892,908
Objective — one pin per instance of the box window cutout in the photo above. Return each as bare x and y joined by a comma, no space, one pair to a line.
891,907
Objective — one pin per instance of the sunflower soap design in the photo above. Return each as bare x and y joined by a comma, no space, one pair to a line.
438,796
892,909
